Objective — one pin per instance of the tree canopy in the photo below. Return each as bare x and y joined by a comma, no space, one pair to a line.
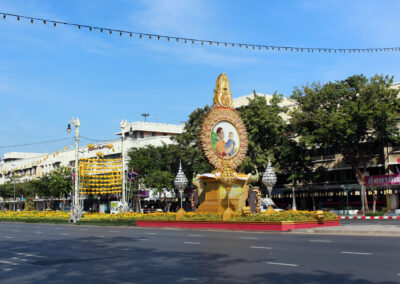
352,117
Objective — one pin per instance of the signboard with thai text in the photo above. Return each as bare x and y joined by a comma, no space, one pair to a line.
382,180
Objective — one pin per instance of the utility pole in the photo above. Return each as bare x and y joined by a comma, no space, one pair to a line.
76,210
123,127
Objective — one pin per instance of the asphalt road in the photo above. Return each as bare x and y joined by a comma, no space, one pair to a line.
41,253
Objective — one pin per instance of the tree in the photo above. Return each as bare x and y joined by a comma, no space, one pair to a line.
6,191
188,147
265,128
60,183
156,167
353,117
56,184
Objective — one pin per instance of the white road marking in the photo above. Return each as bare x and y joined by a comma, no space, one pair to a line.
142,239
398,274
101,236
151,233
283,264
36,227
58,229
7,269
84,229
194,235
28,254
125,249
8,262
15,230
254,247
320,241
65,234
249,238
114,231
8,237
189,279
191,243
38,232
354,252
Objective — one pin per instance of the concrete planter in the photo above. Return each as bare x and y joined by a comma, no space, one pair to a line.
279,226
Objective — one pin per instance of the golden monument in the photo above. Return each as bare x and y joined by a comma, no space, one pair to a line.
223,139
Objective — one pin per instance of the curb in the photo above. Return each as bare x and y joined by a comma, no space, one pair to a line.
349,233
369,217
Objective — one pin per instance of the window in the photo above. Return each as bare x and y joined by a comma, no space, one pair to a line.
141,133
153,134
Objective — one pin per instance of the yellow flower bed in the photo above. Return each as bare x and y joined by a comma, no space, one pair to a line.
101,217
130,218
290,215
31,216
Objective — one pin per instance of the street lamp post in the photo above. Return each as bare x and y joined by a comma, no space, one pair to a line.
76,210
14,190
180,182
346,188
269,178
124,204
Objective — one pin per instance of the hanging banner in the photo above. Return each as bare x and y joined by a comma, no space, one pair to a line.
382,180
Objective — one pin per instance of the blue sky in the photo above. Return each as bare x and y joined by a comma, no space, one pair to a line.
49,74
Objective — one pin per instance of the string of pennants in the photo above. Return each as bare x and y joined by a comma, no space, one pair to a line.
19,170
202,42
339,193
100,176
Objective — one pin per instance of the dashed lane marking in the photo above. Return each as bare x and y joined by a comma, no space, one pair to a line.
65,234
38,232
189,279
254,247
355,252
250,238
8,262
194,235
114,231
15,230
320,241
191,243
84,230
283,264
9,237
151,233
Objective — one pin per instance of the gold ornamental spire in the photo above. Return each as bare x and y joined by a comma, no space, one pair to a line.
222,92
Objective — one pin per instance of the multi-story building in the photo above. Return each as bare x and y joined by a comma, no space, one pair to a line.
137,134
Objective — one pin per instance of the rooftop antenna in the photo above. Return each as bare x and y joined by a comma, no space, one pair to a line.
145,115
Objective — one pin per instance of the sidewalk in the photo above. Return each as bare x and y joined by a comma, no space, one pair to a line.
364,230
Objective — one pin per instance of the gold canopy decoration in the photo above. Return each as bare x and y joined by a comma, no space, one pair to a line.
100,176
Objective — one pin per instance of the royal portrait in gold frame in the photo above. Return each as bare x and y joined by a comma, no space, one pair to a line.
219,127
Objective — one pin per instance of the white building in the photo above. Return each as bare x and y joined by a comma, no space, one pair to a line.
137,134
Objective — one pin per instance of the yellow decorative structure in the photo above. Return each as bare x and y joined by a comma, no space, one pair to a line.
100,176
223,139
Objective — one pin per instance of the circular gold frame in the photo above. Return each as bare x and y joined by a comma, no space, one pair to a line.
219,114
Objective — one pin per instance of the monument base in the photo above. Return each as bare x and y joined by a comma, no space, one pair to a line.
214,199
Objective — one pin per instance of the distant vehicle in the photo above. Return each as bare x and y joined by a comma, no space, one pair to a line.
267,202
